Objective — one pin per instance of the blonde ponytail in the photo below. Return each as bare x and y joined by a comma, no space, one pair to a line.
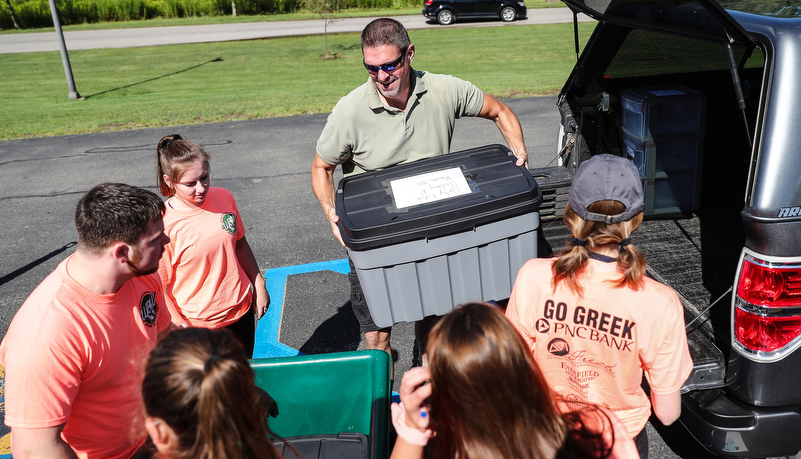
589,236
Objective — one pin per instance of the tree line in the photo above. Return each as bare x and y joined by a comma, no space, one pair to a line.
36,13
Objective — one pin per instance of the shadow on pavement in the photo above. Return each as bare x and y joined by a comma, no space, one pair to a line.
338,333
18,272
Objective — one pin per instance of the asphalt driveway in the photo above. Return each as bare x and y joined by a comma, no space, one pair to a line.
265,163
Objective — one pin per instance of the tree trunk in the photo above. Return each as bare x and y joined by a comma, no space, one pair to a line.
13,16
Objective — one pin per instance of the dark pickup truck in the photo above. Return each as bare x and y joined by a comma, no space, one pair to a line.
705,97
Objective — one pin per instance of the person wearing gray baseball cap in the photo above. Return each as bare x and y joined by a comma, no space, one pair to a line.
593,321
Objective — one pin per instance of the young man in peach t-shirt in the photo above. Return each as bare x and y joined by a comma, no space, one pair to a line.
73,353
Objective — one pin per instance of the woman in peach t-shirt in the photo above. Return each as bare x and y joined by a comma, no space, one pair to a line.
210,276
593,321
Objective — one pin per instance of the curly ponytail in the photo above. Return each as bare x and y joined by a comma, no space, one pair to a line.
592,235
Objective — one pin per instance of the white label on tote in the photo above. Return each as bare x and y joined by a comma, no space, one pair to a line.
429,187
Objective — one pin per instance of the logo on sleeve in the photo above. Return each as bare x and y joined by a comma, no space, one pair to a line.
229,223
148,308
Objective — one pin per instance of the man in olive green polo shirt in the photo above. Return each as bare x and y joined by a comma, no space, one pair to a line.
398,116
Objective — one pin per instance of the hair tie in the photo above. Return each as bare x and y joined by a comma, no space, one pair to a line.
166,141
625,242
577,242
209,362
173,138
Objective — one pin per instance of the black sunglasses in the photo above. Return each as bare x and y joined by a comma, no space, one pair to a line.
388,67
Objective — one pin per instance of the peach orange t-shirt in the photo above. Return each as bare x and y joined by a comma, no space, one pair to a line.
596,348
204,283
75,357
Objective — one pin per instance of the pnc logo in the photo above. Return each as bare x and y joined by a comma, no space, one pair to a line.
559,347
542,326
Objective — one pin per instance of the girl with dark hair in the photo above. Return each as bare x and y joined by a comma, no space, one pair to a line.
484,397
210,276
200,399
593,321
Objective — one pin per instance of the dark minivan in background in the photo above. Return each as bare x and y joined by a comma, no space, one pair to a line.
446,12
705,98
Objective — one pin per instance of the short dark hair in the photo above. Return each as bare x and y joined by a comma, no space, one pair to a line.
115,212
385,31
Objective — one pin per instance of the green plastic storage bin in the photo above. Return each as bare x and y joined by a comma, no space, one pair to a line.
327,394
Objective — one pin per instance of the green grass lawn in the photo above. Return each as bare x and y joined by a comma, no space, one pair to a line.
201,83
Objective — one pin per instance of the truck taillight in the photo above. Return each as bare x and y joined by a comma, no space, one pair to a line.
771,285
765,333
429,2
767,307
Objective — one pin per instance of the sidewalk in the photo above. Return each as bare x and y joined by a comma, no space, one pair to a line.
154,36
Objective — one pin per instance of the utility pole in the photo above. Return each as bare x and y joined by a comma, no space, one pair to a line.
65,59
